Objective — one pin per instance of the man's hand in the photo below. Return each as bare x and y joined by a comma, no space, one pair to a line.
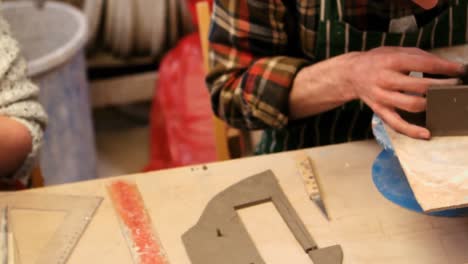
378,77
15,144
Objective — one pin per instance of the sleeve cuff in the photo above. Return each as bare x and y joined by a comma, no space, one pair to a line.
272,103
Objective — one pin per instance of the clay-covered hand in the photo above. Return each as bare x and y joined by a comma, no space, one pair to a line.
379,77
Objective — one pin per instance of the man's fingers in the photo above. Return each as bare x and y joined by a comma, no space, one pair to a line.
426,63
402,82
410,103
394,120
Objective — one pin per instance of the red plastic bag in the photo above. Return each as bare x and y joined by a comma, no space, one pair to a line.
182,130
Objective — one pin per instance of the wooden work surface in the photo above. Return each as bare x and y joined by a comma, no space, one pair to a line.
368,227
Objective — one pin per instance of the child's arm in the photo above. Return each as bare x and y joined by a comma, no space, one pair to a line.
15,145
22,119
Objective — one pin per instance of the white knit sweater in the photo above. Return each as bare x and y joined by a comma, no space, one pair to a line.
18,97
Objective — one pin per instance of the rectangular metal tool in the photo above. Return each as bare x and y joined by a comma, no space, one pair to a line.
447,110
80,210
311,181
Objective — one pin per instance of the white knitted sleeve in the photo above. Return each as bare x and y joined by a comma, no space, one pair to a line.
19,97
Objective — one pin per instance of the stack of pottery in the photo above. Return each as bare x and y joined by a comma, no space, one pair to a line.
137,27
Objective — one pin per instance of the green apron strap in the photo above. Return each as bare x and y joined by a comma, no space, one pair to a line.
329,10
339,9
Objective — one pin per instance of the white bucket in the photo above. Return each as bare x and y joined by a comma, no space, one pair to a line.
52,40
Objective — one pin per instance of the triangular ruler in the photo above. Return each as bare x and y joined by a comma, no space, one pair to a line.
79,212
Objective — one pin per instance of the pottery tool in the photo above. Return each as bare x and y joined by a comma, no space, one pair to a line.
220,236
80,210
446,110
135,223
311,181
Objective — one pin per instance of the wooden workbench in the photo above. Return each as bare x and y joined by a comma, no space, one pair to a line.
368,227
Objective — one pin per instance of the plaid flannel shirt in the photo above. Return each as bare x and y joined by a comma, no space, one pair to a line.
258,46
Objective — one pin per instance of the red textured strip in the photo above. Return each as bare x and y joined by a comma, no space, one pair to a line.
131,210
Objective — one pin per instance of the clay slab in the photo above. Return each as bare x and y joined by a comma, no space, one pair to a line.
220,236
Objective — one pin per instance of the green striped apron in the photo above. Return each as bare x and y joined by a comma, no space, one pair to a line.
352,121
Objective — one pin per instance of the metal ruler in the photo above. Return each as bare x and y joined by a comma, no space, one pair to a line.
79,209
311,181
